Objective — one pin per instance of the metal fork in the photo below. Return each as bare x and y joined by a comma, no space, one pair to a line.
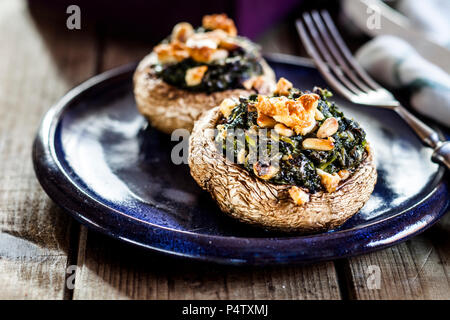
336,63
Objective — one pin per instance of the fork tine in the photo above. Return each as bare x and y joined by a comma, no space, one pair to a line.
336,53
321,65
346,52
326,54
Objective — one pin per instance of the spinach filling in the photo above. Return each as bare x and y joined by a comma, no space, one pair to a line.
297,166
241,64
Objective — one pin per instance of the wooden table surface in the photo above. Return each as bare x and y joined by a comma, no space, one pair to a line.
39,61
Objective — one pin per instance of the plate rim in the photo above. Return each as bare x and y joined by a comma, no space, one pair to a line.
50,171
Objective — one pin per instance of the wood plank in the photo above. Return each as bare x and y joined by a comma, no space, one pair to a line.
109,269
416,269
112,270
39,63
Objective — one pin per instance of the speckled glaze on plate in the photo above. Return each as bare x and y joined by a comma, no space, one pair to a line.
97,158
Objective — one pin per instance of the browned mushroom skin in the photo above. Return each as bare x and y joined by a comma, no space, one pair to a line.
249,199
168,108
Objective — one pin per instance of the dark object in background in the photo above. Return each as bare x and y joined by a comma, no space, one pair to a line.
155,19
254,16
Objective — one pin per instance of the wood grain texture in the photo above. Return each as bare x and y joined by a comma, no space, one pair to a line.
111,270
416,269
38,64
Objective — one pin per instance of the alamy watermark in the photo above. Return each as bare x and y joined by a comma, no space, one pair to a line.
71,275
73,21
237,145
374,19
373,281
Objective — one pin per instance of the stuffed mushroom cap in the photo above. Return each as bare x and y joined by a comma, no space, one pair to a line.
246,197
170,103
168,108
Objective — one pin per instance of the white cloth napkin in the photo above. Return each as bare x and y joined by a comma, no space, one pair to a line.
394,63
430,17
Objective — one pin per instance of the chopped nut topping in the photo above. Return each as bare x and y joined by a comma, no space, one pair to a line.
248,84
218,36
319,116
222,131
330,181
219,54
265,171
307,128
283,87
263,85
201,43
298,195
210,39
228,43
220,21
295,114
227,106
171,53
182,31
195,75
344,174
328,128
206,55
265,121
241,156
202,46
318,144
259,83
282,130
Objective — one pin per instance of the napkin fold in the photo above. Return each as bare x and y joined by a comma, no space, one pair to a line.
394,63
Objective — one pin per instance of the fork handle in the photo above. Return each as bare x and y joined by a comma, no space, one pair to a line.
442,154
428,136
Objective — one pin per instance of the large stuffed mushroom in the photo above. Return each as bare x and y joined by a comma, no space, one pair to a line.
320,174
193,70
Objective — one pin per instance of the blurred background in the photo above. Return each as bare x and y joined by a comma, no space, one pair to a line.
270,22
421,31
425,24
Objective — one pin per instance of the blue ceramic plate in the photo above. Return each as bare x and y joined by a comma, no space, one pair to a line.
97,158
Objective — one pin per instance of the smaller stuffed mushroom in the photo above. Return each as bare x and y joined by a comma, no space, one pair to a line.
193,70
290,161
